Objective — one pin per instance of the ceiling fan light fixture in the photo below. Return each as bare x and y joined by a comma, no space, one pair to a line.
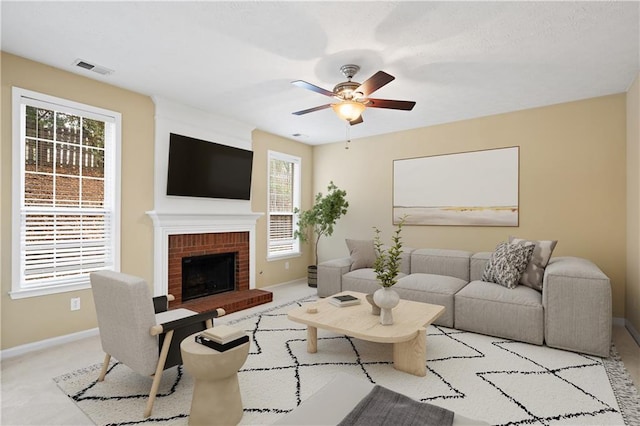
351,97
348,110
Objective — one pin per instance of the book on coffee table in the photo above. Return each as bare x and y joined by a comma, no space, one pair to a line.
344,300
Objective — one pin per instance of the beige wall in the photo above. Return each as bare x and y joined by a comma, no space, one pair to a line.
274,272
572,182
37,318
632,311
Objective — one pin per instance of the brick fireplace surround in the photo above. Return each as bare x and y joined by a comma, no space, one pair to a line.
185,245
178,234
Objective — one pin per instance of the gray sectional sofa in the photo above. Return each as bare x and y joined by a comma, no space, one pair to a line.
572,312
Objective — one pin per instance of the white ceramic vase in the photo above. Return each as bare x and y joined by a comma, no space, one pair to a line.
387,299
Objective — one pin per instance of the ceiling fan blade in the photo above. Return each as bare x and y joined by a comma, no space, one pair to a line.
391,104
374,82
312,87
356,121
306,111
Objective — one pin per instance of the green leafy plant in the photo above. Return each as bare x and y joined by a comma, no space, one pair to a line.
324,214
387,264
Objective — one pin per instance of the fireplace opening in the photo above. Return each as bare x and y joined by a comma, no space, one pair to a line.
207,275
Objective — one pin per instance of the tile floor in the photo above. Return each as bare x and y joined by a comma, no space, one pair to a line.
30,397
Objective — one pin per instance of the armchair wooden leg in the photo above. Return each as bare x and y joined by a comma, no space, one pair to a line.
105,366
158,374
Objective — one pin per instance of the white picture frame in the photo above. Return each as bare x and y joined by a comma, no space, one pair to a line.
475,188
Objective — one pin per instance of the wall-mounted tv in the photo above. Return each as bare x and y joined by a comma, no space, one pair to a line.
199,168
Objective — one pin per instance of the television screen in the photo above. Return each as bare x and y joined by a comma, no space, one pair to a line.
199,168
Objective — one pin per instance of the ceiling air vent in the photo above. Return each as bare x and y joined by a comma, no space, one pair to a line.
92,67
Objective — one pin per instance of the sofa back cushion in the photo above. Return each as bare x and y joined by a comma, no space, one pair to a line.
453,263
363,255
405,260
478,264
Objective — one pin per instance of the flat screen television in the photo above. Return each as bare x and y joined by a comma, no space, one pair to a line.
199,168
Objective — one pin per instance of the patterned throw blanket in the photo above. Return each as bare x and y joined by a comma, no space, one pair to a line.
383,406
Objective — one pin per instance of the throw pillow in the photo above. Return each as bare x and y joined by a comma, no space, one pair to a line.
507,263
362,252
534,273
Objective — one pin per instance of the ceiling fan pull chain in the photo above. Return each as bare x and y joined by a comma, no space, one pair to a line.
348,135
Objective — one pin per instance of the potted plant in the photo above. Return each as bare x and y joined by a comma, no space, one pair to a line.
387,267
320,219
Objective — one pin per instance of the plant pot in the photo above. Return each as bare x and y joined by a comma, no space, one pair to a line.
312,275
387,299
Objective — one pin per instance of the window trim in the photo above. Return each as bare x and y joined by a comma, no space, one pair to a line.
297,196
20,97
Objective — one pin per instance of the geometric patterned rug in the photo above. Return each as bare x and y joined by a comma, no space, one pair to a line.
500,381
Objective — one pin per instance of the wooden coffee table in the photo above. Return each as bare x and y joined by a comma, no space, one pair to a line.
407,333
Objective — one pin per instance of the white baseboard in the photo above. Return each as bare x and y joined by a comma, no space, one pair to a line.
620,322
47,343
632,330
623,322
296,281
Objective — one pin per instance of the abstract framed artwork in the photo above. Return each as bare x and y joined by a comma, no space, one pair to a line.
477,188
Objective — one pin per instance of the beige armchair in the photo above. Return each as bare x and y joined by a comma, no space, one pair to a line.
139,331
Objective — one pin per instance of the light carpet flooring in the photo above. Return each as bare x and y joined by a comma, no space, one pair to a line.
30,397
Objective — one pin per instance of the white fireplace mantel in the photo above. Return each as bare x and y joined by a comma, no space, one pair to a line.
165,224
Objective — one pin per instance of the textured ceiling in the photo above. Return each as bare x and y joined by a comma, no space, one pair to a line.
457,60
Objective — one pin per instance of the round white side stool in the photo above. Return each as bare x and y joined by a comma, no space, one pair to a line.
216,392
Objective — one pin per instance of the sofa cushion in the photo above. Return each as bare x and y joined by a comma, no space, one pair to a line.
507,263
534,273
362,280
434,289
478,264
405,258
453,263
362,253
492,309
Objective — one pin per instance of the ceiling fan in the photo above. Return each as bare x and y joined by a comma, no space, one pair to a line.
352,97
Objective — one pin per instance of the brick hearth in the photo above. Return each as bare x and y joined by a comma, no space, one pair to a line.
185,245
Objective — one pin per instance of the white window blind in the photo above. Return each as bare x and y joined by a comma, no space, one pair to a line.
284,190
67,196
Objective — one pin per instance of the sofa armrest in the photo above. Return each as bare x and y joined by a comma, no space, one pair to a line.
330,275
576,296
